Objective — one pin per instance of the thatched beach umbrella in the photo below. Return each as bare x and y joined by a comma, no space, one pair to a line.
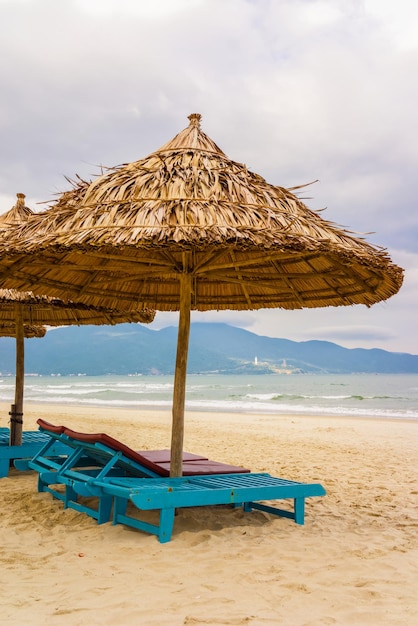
25,312
188,229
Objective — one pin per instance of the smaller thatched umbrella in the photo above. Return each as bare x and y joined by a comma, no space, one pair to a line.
20,310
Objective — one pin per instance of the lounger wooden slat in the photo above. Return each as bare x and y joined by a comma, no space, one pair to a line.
166,495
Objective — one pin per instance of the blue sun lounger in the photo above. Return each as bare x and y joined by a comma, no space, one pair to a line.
99,456
113,475
105,456
32,442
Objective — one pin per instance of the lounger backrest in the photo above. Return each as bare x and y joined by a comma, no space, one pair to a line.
117,446
105,440
158,461
51,428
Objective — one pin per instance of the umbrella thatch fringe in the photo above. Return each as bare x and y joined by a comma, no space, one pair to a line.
29,331
56,312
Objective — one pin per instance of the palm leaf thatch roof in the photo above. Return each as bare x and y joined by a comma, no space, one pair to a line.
188,208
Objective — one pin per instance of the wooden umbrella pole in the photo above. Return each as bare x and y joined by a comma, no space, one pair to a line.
16,413
179,392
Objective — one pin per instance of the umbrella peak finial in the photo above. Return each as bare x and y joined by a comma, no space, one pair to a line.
194,119
20,204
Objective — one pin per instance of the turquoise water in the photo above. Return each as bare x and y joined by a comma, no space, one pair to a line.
378,395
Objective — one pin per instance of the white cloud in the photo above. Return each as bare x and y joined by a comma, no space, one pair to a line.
397,20
297,89
156,9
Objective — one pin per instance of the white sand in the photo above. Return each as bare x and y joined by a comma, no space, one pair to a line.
354,562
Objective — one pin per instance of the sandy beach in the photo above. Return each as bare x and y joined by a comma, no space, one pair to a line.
354,562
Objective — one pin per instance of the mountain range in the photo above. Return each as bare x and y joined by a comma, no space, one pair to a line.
216,348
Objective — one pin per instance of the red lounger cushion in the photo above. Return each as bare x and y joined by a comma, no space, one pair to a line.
163,456
193,464
116,445
206,467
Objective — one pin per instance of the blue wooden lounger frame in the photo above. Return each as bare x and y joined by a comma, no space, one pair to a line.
32,442
112,476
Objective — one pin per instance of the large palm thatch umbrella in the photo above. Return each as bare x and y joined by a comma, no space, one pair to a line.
188,229
24,314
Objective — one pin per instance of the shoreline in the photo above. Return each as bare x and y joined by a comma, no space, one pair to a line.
30,408
353,562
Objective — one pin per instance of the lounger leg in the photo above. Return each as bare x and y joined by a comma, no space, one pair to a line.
70,496
119,508
4,467
299,510
104,509
166,525
42,485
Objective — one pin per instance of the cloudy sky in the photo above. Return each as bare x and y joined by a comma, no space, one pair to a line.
298,90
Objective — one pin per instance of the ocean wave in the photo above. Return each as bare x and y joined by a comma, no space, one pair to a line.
362,396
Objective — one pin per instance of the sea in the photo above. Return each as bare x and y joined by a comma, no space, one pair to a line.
392,396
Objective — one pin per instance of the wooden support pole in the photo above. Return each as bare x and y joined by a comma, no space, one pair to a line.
180,374
16,413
